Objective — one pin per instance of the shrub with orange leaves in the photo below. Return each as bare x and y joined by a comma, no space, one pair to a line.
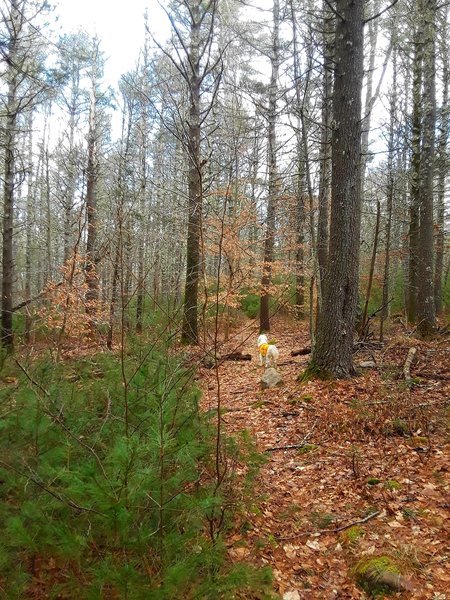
66,313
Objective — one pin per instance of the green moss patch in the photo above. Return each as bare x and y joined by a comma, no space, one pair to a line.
376,575
352,535
307,448
373,481
392,484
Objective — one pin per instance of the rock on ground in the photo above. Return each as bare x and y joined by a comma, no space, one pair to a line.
271,378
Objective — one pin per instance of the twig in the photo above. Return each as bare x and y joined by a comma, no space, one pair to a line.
28,376
359,522
293,446
336,530
381,12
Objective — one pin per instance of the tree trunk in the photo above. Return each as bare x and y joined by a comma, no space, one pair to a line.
325,147
299,184
9,151
334,342
415,173
189,334
91,195
29,230
425,306
269,243
371,271
442,166
390,190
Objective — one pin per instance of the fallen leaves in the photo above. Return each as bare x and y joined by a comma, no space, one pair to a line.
368,427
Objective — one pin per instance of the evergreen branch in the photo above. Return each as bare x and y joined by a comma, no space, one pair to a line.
43,487
33,381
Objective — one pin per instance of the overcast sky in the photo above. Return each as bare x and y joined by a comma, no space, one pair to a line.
119,25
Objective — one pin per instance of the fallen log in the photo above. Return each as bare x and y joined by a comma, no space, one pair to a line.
442,376
236,356
302,351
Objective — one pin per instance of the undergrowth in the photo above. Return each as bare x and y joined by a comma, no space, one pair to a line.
108,471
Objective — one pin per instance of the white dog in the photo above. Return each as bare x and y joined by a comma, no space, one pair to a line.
268,353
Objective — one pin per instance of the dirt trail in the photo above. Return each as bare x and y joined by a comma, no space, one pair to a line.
366,451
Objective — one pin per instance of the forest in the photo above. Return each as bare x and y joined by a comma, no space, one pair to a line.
225,300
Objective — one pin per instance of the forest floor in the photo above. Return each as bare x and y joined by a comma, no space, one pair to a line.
369,475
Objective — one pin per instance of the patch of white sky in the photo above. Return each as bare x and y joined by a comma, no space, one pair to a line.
120,29
119,25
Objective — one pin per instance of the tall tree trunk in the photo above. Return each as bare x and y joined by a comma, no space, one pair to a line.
29,230
444,130
189,334
269,242
368,105
425,306
91,194
390,191
325,146
415,172
300,182
9,151
332,354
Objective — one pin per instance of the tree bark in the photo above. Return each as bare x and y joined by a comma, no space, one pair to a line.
332,354
269,243
9,150
91,193
325,147
415,172
390,191
444,130
426,307
189,334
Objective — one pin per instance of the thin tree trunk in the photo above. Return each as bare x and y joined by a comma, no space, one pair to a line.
325,147
390,191
269,243
91,196
415,173
371,270
300,184
444,130
29,227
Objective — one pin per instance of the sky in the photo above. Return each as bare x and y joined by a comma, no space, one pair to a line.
119,25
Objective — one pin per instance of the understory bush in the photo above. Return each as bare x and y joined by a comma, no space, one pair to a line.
110,488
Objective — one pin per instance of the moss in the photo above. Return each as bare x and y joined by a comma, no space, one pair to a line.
410,514
392,484
314,372
373,481
352,535
369,573
307,448
259,404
